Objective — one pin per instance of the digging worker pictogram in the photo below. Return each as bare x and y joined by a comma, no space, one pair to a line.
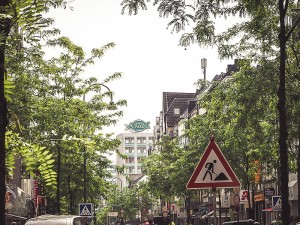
209,169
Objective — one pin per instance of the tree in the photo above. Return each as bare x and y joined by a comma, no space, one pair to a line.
260,37
47,103
131,200
30,17
4,31
284,36
50,104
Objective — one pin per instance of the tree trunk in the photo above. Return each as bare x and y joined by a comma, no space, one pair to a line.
298,174
283,134
4,30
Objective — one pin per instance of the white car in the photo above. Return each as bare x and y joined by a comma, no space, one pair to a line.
58,220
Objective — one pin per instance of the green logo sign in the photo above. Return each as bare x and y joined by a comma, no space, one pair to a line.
139,125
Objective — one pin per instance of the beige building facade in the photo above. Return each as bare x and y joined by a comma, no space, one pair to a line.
136,146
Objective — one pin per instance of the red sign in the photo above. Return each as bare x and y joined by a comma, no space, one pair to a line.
35,192
213,170
244,195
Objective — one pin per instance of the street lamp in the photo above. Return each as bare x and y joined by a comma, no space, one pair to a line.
58,167
84,148
204,66
140,198
122,216
120,189
99,84
84,173
120,182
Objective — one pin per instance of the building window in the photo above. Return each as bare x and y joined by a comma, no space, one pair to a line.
139,169
129,140
129,160
141,140
140,159
176,111
129,150
130,169
151,139
141,150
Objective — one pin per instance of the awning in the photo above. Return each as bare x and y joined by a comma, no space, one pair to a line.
268,210
15,217
293,190
292,183
210,214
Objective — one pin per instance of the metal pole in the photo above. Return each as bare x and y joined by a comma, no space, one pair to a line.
95,218
121,185
84,174
215,206
101,84
84,163
121,190
203,66
141,215
58,180
204,74
84,166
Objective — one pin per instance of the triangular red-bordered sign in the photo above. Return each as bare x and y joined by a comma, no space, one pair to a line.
213,170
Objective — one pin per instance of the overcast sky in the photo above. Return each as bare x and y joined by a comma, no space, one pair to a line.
146,53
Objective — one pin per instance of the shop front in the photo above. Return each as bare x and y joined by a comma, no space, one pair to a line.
18,206
259,202
12,219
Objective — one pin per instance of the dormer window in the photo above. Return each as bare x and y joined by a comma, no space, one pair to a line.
176,111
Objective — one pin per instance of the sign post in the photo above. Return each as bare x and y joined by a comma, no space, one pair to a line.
214,190
213,171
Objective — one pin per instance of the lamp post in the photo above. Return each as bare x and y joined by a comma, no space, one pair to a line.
58,180
122,215
204,66
58,168
84,173
84,147
121,189
95,217
120,183
99,84
141,205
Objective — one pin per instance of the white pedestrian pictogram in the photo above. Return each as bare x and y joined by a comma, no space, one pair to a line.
278,204
85,212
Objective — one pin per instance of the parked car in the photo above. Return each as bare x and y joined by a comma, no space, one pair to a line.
58,220
241,222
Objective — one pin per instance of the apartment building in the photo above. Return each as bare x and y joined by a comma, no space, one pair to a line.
135,145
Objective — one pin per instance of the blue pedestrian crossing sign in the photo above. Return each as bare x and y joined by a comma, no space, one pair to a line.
85,209
276,203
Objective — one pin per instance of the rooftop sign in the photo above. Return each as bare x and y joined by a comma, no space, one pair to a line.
138,125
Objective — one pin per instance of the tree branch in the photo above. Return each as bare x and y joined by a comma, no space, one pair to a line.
293,28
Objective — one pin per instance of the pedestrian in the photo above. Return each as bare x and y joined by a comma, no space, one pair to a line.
166,221
10,198
231,215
